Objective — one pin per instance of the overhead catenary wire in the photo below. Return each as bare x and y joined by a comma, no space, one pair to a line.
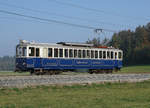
96,10
55,21
65,16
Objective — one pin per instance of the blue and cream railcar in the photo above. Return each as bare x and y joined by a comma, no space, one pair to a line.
41,58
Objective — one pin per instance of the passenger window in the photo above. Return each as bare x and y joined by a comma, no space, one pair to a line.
96,54
115,55
79,53
108,54
119,55
92,54
37,52
100,54
55,52
88,54
70,53
24,51
66,52
50,52
60,52
112,54
104,54
84,54
31,51
75,54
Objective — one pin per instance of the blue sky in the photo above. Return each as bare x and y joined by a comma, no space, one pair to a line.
113,14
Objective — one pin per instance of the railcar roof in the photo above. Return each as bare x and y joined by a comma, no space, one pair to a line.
66,45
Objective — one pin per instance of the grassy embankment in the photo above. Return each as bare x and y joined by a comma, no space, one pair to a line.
116,95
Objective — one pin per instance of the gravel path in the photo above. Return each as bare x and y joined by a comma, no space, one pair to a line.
22,81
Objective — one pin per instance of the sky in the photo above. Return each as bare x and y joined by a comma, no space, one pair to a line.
110,15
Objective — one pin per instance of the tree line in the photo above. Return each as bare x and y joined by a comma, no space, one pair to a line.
135,44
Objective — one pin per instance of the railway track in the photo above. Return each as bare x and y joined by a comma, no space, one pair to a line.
23,81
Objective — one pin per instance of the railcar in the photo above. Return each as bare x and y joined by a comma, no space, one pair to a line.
46,58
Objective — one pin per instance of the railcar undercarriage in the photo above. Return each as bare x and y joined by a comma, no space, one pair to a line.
56,72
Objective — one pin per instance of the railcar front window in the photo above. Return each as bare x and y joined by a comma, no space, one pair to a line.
31,51
24,51
50,52
55,52
66,52
60,52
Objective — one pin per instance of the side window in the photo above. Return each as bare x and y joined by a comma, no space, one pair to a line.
70,53
55,52
100,54
31,51
119,55
115,55
108,54
66,52
24,51
104,54
88,53
60,52
92,54
79,53
50,52
75,53
84,54
37,52
112,54
96,54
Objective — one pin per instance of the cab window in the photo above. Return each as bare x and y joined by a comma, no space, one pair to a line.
31,51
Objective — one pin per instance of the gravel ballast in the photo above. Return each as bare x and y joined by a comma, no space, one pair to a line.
23,81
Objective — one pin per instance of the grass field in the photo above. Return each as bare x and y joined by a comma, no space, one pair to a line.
136,69
116,95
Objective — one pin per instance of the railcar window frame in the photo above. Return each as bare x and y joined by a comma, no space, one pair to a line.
37,52
66,53
119,55
83,54
96,54
75,53
50,52
92,54
79,53
112,54
56,55
104,54
88,54
100,54
108,54
70,53
61,52
32,51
